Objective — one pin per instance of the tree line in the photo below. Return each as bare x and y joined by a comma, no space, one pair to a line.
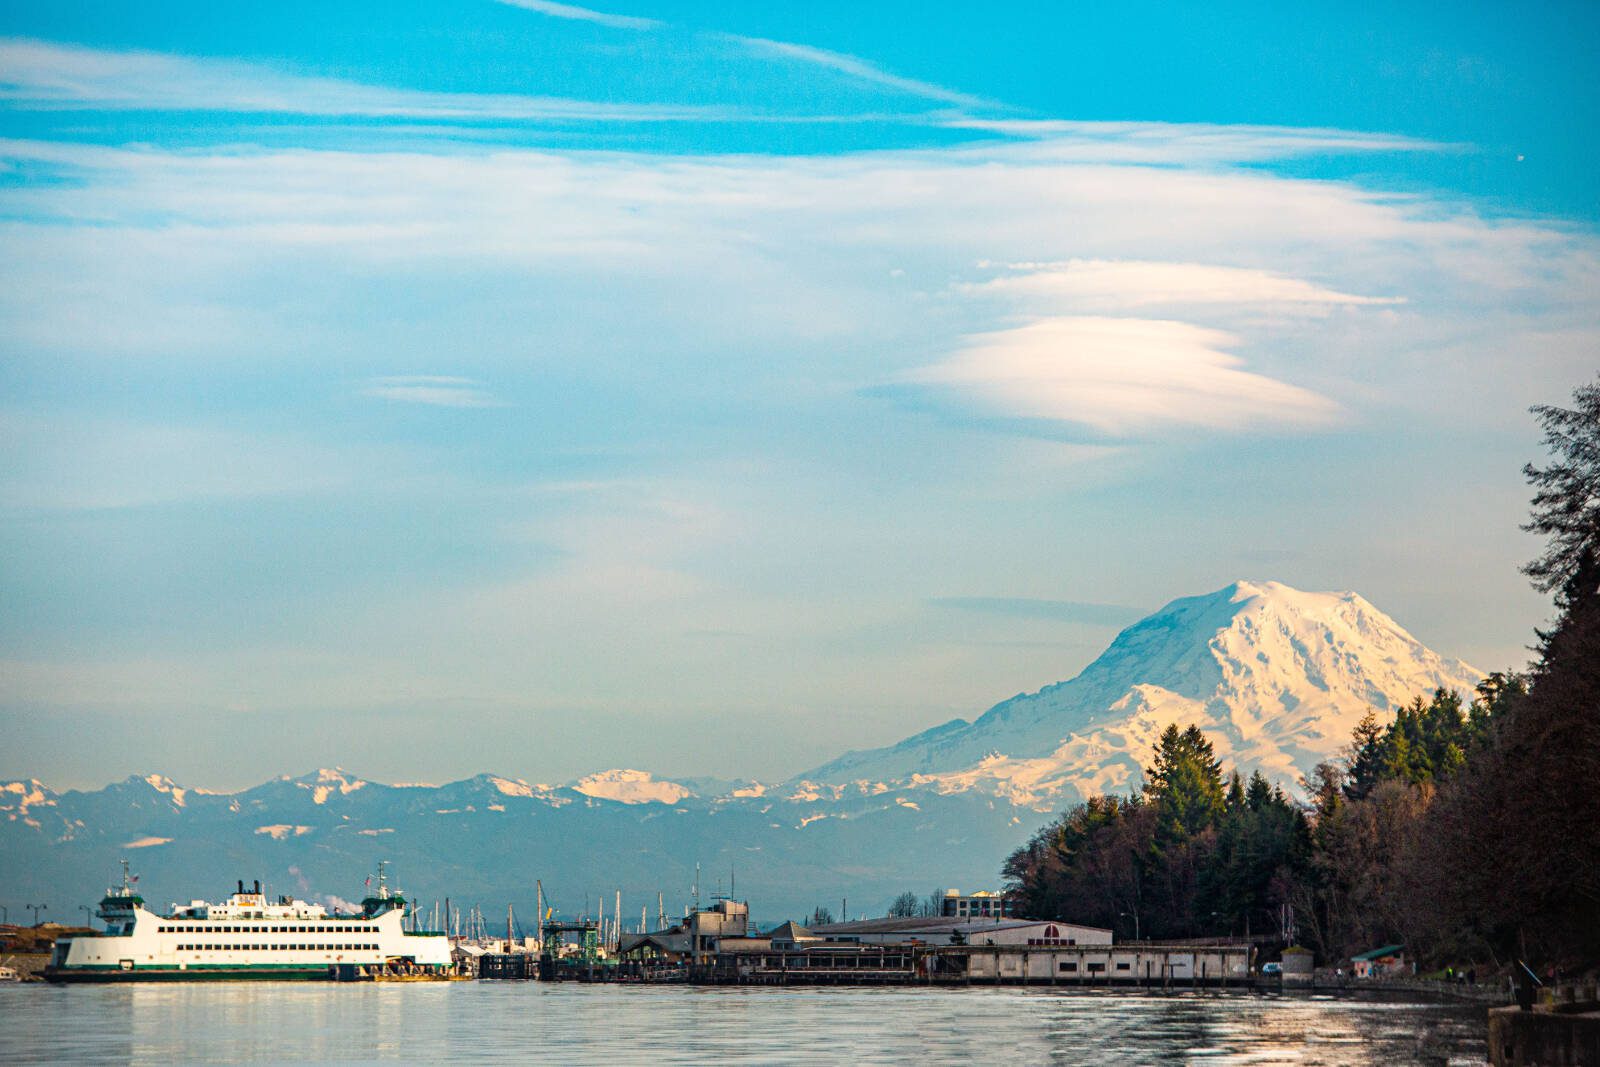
1463,828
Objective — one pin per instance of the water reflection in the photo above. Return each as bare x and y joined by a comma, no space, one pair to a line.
515,1021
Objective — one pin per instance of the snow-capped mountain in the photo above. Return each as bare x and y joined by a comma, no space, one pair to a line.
484,840
1274,676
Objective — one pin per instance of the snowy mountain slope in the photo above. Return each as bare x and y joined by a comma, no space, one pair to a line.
1276,677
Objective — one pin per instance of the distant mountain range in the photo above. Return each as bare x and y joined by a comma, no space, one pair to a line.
1276,678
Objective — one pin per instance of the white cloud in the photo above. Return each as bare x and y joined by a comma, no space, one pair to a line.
434,390
1101,283
1121,377
583,14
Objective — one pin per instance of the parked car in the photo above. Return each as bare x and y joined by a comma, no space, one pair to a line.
1274,969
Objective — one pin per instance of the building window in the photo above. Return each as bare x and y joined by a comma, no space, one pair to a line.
1069,967
1122,966
1097,968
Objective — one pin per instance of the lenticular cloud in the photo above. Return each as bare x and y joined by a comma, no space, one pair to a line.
1121,377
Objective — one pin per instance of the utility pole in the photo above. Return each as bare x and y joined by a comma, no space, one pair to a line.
661,910
37,908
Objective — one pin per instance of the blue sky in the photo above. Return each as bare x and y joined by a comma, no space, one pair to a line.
432,388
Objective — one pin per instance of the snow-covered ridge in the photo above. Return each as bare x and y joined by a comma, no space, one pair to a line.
162,784
326,781
17,797
631,787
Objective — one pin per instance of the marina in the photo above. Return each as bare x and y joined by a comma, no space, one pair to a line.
248,937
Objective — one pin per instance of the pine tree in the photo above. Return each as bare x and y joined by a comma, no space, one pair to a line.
1185,783
1236,798
1364,765
1260,794
1566,507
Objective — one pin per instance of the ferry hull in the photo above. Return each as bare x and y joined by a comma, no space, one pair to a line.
70,975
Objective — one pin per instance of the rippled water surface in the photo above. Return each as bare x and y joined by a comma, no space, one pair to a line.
523,1021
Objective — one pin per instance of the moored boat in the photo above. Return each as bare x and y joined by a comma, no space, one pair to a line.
247,937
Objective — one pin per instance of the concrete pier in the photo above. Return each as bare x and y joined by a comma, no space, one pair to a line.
1520,1038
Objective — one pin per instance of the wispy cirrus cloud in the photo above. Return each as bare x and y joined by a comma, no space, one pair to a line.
47,76
860,69
1135,142
1121,377
434,390
584,14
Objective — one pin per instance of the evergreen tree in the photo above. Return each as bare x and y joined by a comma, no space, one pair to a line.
1235,799
1364,765
1566,507
1261,793
1185,784
1508,858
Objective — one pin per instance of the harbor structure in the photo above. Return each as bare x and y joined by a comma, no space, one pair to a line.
959,931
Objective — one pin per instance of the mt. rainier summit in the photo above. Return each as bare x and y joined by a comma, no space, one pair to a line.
1274,676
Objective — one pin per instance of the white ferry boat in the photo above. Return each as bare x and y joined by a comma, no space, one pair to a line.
249,938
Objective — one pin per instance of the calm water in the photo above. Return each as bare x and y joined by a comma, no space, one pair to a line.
523,1021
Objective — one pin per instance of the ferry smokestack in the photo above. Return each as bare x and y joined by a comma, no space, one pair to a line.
258,887
241,885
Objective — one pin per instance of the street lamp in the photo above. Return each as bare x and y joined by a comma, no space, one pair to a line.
37,908
1135,917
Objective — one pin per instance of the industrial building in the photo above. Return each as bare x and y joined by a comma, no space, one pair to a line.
957,931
